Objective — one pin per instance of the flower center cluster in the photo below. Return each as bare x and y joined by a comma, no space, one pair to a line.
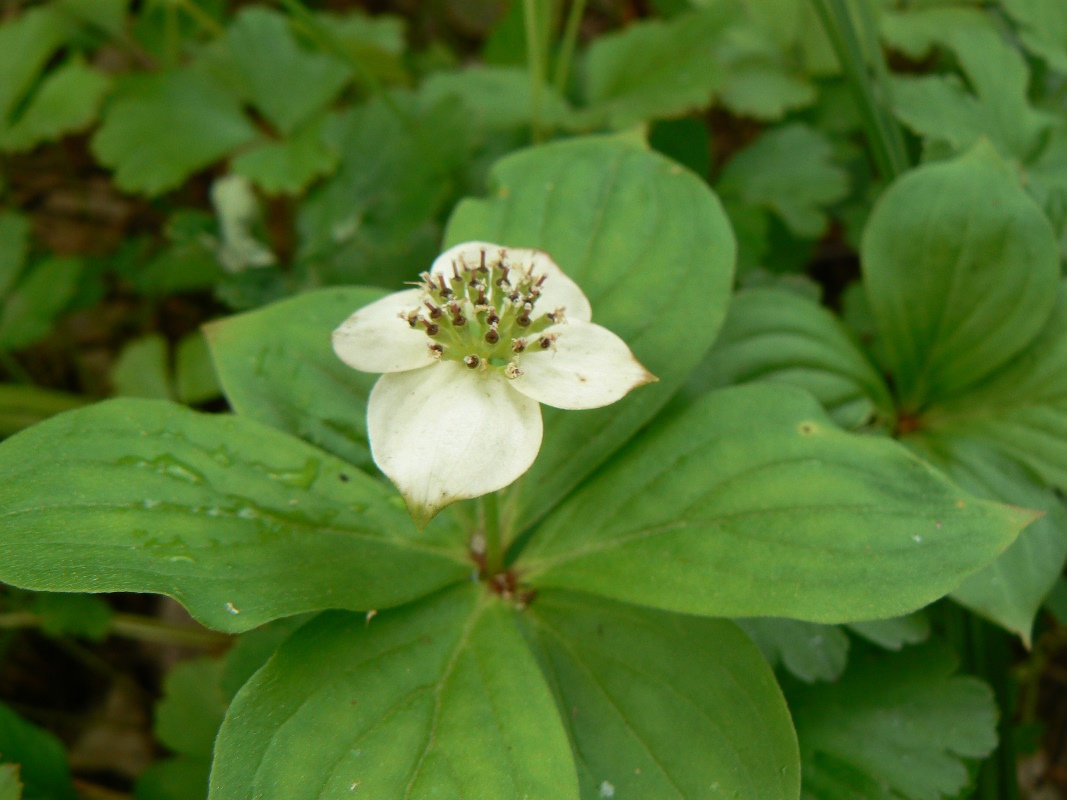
482,315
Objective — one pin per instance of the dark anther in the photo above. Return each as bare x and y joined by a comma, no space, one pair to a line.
435,312
492,336
413,318
455,308
523,319
545,342
514,295
472,361
503,281
432,329
436,349
459,321
493,317
481,296
518,345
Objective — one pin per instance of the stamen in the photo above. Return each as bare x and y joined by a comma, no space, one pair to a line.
435,312
436,350
518,345
432,328
512,370
492,336
472,361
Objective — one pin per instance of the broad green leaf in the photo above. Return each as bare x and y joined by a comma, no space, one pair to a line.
961,269
376,220
41,758
663,706
655,68
894,728
650,246
789,171
1011,589
752,503
941,108
190,713
237,521
194,374
67,101
72,615
686,140
277,366
378,43
500,98
437,699
253,649
287,83
10,785
22,406
26,45
14,245
142,369
42,295
1022,408
1043,28
810,651
778,336
288,166
895,632
160,128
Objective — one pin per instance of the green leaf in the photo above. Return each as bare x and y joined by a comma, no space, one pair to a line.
895,632
1021,409
780,337
376,220
500,98
190,713
277,366
751,503
288,166
378,43
789,171
1011,589
160,128
72,615
26,45
686,140
107,16
14,245
437,699
142,369
961,269
662,705
897,722
253,649
40,755
655,68
22,406
194,375
10,785
41,296
237,521
941,108
1043,28
67,101
810,651
638,233
287,83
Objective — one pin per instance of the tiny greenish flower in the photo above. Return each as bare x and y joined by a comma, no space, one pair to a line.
487,334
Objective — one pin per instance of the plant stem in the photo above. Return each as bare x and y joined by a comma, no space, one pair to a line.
200,17
535,66
134,626
494,548
883,133
568,45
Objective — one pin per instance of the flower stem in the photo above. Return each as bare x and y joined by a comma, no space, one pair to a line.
134,626
535,65
884,136
494,548
569,42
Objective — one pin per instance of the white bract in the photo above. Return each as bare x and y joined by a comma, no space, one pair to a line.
488,334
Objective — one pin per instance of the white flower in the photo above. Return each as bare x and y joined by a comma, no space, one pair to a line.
489,333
